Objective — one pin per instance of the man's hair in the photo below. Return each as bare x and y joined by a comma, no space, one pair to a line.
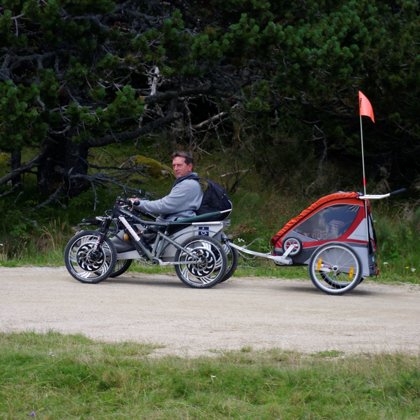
186,155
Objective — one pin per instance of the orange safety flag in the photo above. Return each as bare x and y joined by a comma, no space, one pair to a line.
365,108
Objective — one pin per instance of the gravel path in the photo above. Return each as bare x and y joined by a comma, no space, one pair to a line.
242,312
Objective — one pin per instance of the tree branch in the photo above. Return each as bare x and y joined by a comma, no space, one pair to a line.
132,135
20,170
53,197
171,94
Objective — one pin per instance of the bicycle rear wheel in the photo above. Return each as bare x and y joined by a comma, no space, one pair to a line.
335,269
202,262
232,257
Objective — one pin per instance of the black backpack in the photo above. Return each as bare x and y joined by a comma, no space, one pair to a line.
215,197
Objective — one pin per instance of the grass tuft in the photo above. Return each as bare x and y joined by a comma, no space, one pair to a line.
58,376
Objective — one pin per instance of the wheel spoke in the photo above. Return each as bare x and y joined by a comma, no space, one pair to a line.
335,268
88,259
203,262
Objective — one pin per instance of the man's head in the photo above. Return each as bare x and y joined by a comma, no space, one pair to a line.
182,164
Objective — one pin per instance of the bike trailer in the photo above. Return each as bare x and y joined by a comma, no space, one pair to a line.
339,217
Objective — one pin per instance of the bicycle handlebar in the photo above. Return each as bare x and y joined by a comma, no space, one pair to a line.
381,196
127,202
401,190
122,201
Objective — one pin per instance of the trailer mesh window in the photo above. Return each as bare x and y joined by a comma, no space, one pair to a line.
329,223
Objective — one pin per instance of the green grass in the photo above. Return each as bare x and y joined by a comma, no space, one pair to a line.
57,376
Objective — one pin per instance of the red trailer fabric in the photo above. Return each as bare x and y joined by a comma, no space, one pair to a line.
312,208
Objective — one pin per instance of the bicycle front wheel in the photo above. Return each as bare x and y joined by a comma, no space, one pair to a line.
88,258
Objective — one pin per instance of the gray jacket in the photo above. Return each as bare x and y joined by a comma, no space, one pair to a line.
182,201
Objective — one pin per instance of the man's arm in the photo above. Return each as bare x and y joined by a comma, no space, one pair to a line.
186,195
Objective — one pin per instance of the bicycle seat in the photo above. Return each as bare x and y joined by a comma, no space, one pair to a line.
181,223
215,216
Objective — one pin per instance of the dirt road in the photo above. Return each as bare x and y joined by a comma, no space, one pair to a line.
242,312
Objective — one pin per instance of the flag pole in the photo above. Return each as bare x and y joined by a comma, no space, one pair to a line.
363,168
363,154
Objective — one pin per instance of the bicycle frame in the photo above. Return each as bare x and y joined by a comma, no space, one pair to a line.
164,247
192,245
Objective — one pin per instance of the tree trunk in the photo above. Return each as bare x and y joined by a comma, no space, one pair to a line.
61,160
15,163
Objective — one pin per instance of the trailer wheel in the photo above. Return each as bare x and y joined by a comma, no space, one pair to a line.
335,269
295,242
201,262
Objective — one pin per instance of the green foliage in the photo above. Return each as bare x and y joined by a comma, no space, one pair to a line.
399,249
60,376
19,109
313,62
286,76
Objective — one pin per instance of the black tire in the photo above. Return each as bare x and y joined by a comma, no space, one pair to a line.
335,268
121,266
203,262
86,264
232,257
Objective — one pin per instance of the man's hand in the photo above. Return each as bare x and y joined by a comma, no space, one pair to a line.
134,201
